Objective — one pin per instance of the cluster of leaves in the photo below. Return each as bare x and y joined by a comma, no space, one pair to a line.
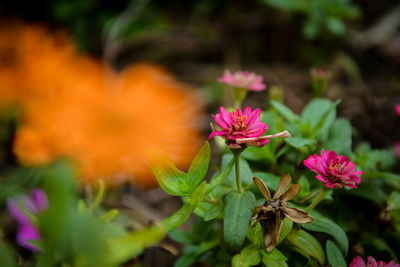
222,234
321,15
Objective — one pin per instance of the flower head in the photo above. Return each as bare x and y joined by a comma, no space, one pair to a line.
273,211
242,128
398,109
359,262
334,170
34,204
243,79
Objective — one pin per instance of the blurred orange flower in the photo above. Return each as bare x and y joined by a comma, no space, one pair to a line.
107,122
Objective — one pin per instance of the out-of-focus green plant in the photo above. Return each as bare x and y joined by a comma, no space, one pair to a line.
321,16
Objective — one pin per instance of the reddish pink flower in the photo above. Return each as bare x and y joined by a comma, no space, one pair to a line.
243,79
334,170
398,109
242,128
359,262
397,149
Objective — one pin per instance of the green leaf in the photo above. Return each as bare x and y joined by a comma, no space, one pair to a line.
238,210
285,112
286,228
339,137
7,256
320,224
221,178
183,213
199,166
334,255
307,244
305,187
256,235
249,256
246,175
298,142
171,179
274,259
320,114
132,244
174,181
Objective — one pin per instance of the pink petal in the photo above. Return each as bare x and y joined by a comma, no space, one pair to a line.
358,262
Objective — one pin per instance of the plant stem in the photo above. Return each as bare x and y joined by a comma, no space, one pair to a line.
321,195
236,154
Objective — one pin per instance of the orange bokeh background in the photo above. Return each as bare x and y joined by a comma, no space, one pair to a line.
76,106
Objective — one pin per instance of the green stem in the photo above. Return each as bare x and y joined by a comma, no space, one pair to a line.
321,195
236,155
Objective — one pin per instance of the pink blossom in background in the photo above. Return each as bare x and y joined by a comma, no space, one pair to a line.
242,128
397,149
398,109
34,204
243,79
334,170
359,262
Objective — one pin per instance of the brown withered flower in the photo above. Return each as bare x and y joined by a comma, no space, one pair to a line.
274,210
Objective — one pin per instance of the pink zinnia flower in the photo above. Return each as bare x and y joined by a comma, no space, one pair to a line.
397,149
398,109
359,262
242,128
334,170
243,79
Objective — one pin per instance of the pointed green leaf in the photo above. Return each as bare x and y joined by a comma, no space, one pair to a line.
307,244
286,112
286,228
171,179
334,255
320,224
320,114
274,258
249,256
237,214
183,213
339,137
132,244
298,142
256,235
199,166
221,178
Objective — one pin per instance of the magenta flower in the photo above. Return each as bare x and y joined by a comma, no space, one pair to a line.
398,109
334,170
241,129
359,262
243,79
34,204
397,149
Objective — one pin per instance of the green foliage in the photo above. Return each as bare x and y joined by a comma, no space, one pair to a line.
321,16
334,255
237,215
307,244
176,182
274,259
320,224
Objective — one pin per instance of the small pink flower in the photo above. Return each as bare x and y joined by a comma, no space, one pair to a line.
397,149
359,262
334,170
398,109
242,128
243,79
